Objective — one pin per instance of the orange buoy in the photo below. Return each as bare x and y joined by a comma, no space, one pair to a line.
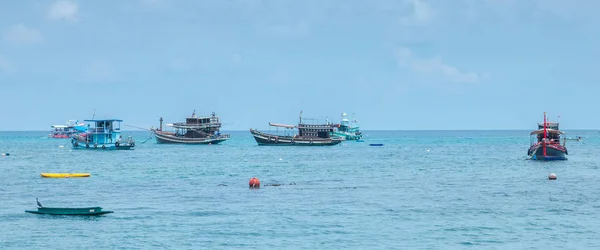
254,183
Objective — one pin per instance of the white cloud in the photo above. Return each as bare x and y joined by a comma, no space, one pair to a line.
20,34
434,67
5,66
421,13
64,10
98,72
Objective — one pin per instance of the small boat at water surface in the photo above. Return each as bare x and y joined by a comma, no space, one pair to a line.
545,142
347,129
103,135
71,128
195,130
64,175
308,135
69,211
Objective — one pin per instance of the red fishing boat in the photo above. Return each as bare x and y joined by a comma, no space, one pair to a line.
72,127
545,142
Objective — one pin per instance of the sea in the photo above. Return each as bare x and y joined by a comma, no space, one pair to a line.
420,190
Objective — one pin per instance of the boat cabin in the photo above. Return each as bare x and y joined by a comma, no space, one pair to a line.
106,131
551,135
60,128
549,125
315,130
198,127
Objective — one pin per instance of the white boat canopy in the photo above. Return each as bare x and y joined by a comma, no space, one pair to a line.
550,131
282,125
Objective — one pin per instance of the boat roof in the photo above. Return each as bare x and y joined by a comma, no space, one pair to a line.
187,126
104,120
541,131
59,126
281,125
200,117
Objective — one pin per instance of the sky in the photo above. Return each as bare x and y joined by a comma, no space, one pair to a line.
391,64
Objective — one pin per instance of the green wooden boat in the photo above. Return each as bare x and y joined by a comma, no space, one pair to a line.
69,211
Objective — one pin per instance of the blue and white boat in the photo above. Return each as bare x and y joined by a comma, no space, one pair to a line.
347,130
102,135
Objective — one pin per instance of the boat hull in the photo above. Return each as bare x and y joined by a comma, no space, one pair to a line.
274,140
106,146
86,211
348,136
59,136
163,138
553,152
64,175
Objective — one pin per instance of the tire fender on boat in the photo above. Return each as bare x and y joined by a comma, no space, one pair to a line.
76,144
87,145
116,144
103,147
95,145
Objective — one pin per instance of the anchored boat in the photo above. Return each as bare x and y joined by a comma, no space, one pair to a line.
69,211
103,135
347,129
545,142
195,130
307,135
71,128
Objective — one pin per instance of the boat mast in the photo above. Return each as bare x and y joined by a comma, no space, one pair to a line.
300,117
161,120
545,135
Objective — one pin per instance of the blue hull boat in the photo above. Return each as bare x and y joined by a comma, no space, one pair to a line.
104,135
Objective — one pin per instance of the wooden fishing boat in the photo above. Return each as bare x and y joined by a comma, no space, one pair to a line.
64,175
545,142
69,211
308,135
195,130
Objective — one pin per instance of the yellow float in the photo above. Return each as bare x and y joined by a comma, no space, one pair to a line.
65,175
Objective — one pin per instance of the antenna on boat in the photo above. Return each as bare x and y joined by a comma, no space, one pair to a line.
545,134
94,115
300,117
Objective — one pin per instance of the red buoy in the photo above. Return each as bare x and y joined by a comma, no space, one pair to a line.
254,183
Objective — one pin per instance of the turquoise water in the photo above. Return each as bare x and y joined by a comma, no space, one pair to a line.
422,189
